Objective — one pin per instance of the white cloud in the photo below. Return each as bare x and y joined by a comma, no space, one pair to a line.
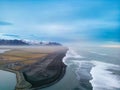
3,36
53,28
59,29
64,19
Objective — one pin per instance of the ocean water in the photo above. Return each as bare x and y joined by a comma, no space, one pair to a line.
7,79
90,68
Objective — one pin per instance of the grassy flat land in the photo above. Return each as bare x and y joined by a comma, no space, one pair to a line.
19,57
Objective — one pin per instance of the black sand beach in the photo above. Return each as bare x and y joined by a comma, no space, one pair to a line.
47,72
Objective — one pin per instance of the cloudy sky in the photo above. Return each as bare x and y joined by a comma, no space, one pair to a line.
60,20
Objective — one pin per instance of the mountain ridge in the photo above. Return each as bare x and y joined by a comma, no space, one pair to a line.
27,42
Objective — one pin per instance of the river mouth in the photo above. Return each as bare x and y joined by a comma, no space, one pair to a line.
7,79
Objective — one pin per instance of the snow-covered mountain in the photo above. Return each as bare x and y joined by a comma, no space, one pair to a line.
13,39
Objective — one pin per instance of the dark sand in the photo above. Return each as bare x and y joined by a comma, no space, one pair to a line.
46,72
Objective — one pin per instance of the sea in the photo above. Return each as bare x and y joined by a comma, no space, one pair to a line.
90,68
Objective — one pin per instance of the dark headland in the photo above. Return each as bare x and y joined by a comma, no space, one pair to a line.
46,71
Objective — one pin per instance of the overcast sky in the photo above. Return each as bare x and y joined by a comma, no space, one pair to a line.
60,20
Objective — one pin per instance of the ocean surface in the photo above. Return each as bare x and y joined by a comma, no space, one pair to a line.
90,68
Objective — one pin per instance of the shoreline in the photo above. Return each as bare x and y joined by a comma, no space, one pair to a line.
56,66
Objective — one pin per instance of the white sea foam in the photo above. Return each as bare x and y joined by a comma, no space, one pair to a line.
71,54
98,75
102,78
64,59
83,70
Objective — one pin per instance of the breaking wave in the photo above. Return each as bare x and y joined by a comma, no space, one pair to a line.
101,75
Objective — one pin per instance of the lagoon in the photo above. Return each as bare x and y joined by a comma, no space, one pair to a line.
7,80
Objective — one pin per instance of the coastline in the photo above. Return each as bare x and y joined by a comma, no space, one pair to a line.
56,66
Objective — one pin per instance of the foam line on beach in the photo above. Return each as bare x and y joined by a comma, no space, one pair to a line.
102,78
71,54
98,74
